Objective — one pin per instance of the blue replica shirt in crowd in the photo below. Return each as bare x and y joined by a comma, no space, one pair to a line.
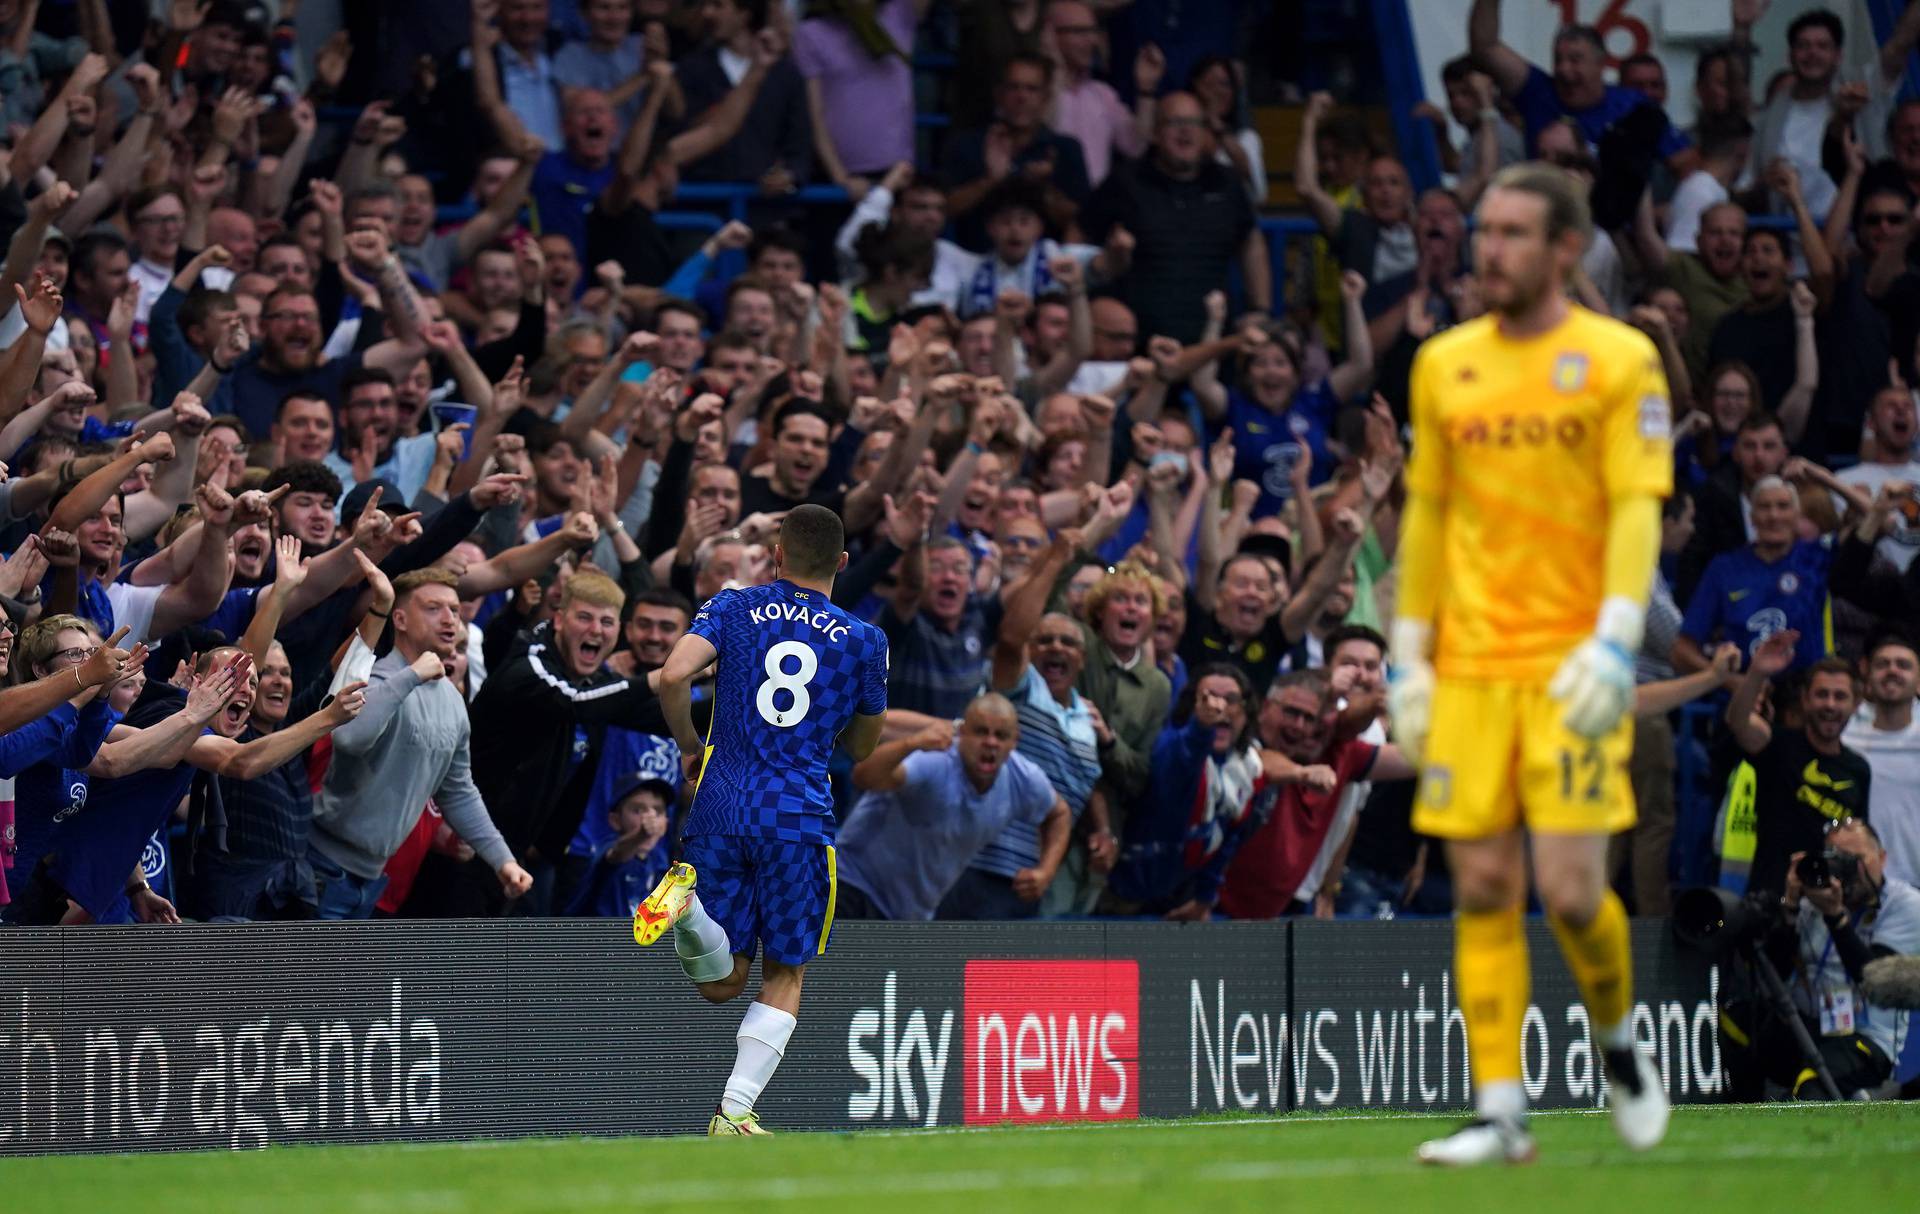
1744,599
234,615
94,853
48,759
93,430
1267,445
615,891
1540,107
625,755
562,192
793,672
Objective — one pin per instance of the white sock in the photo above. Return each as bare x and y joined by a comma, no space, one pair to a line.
1614,1036
1503,1100
762,1040
702,944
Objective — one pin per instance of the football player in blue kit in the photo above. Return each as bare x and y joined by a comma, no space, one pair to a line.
794,676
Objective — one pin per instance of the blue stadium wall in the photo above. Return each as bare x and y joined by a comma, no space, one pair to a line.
240,1037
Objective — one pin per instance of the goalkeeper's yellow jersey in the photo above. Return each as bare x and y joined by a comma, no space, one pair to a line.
1523,443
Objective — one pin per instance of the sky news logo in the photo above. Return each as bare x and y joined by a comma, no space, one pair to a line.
1051,1041
1039,1041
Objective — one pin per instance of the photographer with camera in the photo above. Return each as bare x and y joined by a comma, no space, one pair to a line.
1804,779
1841,911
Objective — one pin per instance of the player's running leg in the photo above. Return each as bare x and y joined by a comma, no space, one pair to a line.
1591,926
760,1045
1491,977
703,934
793,892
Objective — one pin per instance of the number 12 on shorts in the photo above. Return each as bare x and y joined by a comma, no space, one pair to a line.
1584,773
793,683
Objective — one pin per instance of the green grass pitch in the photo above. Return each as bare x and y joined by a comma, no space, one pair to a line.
1830,1157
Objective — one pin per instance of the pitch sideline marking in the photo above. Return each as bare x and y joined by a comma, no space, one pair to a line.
428,1201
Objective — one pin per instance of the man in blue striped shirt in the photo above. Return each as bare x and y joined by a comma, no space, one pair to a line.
1037,658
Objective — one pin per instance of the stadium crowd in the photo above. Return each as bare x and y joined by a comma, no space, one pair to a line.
361,474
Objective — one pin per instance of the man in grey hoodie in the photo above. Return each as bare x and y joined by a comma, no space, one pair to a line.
408,744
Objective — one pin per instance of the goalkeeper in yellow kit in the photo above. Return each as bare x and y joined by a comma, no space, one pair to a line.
1541,453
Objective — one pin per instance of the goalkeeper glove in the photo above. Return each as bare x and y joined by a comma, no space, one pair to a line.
1595,683
1410,687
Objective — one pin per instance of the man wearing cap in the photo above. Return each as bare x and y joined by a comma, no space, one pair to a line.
627,867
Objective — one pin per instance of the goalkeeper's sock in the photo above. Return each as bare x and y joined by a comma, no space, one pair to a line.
701,944
1599,956
761,1041
1490,966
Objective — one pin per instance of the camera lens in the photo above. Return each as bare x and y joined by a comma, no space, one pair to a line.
1813,870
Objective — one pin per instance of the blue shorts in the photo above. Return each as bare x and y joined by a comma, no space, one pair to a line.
769,892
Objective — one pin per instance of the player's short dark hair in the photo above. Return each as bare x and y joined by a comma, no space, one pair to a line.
812,540
1457,69
1825,19
304,476
1353,632
1759,419
1566,199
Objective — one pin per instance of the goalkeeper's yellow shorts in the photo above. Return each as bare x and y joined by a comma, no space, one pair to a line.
1498,753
